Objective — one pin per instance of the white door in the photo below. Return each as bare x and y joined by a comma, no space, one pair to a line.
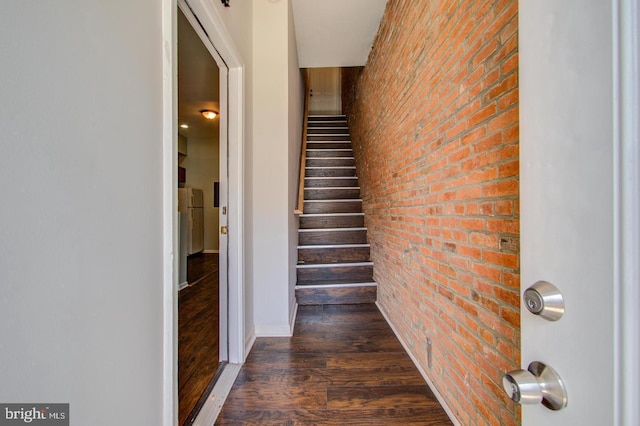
326,91
569,208
224,181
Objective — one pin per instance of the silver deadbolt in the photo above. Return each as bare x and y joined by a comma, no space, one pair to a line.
544,299
537,384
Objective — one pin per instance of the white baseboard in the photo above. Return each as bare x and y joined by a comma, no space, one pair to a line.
273,330
424,375
249,341
213,405
276,330
211,251
183,285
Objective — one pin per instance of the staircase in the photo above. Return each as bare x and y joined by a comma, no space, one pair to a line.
334,266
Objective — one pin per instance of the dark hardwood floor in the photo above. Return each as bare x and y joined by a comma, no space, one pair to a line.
198,333
343,366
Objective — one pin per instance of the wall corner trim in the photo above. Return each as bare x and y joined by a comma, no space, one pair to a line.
249,341
292,318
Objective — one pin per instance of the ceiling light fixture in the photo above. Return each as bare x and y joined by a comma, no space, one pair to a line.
208,114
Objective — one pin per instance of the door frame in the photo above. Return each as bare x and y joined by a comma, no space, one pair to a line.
626,104
223,73
214,26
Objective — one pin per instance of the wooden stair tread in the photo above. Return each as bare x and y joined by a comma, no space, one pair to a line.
334,262
333,181
336,295
333,229
334,265
334,246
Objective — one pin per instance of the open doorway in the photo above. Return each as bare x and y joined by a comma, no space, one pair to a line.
202,179
210,27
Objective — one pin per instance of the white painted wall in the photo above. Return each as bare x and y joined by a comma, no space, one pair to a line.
272,166
183,145
296,117
262,31
203,168
81,217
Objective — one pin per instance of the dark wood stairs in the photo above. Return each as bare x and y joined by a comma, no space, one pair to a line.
334,264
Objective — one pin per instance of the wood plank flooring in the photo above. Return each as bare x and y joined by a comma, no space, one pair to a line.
343,366
198,333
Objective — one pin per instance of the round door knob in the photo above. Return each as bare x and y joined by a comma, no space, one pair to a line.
538,384
522,387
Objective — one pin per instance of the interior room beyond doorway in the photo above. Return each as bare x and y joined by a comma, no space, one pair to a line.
198,174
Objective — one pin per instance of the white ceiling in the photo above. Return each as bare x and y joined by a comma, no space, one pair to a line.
335,33
198,83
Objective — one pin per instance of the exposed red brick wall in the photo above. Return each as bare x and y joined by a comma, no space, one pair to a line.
434,123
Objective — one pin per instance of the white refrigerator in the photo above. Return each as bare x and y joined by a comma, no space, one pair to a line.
190,201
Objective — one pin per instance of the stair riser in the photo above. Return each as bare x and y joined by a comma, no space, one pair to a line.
313,130
332,237
333,207
336,123
329,162
331,194
336,296
335,117
328,137
323,183
328,145
331,172
329,153
334,255
343,274
316,222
